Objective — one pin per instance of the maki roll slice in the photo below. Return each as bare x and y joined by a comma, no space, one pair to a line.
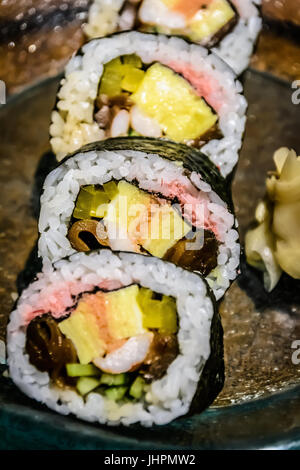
117,339
230,27
152,86
141,195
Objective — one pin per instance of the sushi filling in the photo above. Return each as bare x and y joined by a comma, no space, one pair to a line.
153,101
124,217
112,342
202,21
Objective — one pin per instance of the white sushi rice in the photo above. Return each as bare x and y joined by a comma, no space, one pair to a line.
167,398
235,48
73,122
153,173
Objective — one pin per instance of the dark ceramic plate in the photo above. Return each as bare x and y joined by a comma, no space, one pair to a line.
259,406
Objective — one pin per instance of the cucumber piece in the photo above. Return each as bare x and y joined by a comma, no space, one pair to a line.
82,370
136,389
87,384
115,393
113,380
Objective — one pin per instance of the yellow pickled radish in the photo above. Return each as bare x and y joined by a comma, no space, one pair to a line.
111,84
111,189
158,314
120,74
133,60
132,79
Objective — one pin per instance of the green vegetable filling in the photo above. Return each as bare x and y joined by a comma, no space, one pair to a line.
115,393
114,380
137,388
87,384
112,386
81,370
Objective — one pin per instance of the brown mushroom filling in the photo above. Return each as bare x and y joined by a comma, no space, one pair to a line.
49,350
164,349
87,234
202,260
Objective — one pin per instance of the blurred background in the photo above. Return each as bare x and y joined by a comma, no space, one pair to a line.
37,37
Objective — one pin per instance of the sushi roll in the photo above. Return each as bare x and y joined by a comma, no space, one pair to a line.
117,339
145,196
150,85
229,27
